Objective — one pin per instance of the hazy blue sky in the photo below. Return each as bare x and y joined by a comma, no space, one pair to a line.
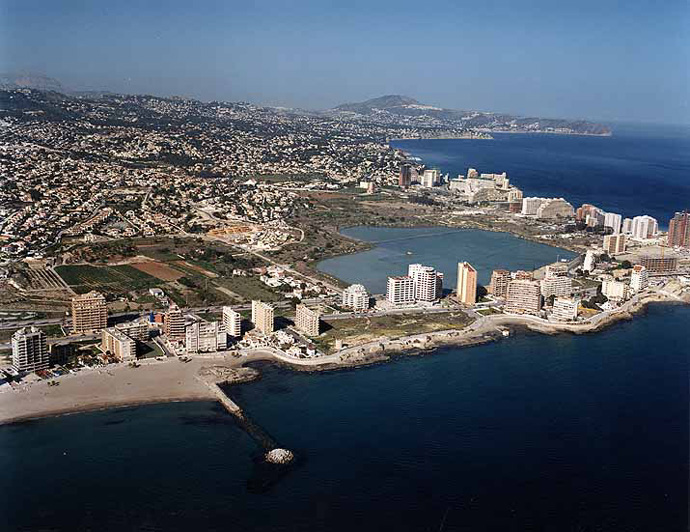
624,60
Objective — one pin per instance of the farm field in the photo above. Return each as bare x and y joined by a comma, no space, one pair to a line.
121,279
159,270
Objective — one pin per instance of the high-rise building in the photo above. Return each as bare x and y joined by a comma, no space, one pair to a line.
613,221
590,261
467,283
356,297
644,227
400,290
591,215
522,275
524,297
557,285
431,177
627,226
263,317
307,320
175,323
30,350
554,208
232,320
499,283
205,337
614,244
122,346
639,278
565,309
679,230
531,205
405,179
426,281
89,313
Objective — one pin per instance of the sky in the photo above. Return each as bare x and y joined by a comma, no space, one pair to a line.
595,59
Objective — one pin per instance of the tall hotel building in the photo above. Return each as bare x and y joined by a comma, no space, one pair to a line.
263,317
644,227
524,297
232,321
89,313
467,283
405,179
29,350
426,281
499,283
679,230
400,290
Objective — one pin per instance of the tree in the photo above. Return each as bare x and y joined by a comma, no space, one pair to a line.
626,265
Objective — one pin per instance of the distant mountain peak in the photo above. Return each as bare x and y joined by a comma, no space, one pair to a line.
29,80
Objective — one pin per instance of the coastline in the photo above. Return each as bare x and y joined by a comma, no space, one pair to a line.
172,381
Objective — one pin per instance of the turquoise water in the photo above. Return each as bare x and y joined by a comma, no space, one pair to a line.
442,248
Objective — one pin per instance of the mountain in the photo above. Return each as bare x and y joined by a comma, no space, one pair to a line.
406,110
30,81
390,101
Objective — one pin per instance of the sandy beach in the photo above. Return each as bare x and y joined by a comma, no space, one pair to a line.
171,379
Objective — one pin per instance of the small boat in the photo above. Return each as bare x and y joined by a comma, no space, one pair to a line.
408,253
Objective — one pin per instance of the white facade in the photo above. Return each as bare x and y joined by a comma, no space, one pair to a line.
590,261
614,221
565,309
530,206
356,297
400,290
427,282
232,320
644,227
263,317
431,178
206,337
639,278
29,350
627,226
614,290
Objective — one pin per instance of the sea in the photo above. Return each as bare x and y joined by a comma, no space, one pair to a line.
640,169
534,432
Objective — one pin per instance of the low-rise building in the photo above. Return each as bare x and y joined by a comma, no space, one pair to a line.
118,344
614,290
565,309
556,285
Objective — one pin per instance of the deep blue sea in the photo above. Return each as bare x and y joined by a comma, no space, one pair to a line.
537,433
638,170
561,433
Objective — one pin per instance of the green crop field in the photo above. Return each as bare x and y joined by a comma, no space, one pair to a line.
118,279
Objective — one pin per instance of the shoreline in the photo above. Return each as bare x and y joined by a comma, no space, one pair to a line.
482,331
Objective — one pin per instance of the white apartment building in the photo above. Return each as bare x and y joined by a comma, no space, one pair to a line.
232,320
614,290
627,226
614,221
639,278
431,178
205,337
400,290
531,205
30,350
565,309
644,227
356,297
426,281
590,261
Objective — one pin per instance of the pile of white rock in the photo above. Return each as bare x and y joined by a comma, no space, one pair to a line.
279,456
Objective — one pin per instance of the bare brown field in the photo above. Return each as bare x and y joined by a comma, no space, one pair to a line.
159,270
188,266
